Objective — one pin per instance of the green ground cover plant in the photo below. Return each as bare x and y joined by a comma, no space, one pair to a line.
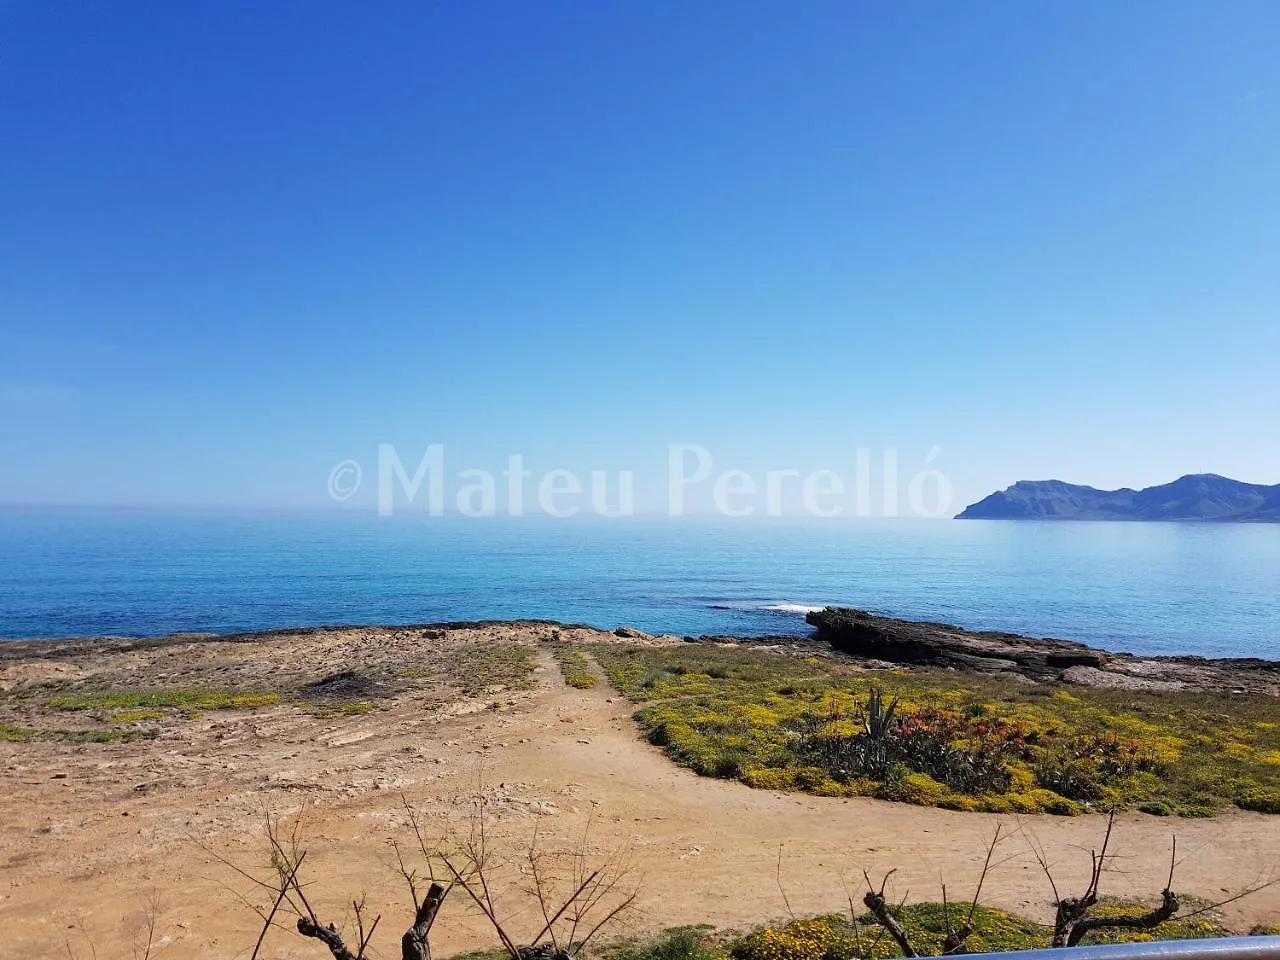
575,666
137,716
474,667
11,733
946,739
678,943
835,937
124,713
163,700
15,734
122,710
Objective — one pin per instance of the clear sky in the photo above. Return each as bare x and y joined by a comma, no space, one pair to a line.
242,241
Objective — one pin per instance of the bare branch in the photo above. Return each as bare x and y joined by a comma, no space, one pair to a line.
609,917
485,905
1247,892
414,944
781,889
574,898
151,907
1043,859
879,908
1146,921
982,878
954,940
329,936
269,919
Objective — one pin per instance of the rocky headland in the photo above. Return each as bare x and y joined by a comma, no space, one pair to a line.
1197,496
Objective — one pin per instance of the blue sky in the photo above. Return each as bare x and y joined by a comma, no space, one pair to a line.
240,242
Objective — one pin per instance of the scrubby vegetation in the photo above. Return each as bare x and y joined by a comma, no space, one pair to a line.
163,700
677,943
579,893
107,708
952,928
137,716
575,665
476,666
835,937
927,926
10,733
120,713
941,738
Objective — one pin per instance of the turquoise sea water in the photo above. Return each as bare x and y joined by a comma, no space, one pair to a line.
1212,589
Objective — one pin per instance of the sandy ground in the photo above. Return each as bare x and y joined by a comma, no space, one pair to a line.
90,833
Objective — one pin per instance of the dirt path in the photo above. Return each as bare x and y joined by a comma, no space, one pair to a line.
89,832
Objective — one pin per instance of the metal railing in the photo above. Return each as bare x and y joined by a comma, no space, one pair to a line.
1221,948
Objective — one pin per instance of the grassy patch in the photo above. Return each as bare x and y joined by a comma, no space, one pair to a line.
353,708
953,740
163,700
137,716
678,943
13,734
474,667
575,666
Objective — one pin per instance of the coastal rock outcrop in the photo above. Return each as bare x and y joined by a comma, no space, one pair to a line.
866,635
869,637
631,633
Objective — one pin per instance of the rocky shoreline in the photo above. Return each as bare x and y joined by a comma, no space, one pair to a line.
866,636
871,640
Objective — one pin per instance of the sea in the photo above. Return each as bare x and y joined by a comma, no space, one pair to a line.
1148,588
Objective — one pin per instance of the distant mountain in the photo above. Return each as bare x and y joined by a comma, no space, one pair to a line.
1197,496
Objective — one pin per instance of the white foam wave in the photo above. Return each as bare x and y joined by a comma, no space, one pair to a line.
797,608
791,609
